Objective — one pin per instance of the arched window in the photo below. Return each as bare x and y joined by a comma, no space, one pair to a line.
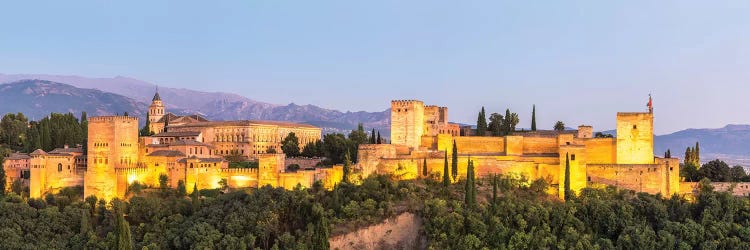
59,167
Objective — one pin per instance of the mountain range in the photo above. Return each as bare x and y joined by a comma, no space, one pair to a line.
38,95
212,105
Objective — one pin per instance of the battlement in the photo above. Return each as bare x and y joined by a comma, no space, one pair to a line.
131,170
633,113
406,102
239,170
112,118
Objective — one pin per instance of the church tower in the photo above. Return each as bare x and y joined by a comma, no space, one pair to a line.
155,113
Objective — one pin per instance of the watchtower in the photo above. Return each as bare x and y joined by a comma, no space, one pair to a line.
407,122
112,143
635,138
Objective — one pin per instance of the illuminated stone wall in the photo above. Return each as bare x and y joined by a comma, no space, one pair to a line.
577,170
112,143
651,178
601,150
635,138
407,122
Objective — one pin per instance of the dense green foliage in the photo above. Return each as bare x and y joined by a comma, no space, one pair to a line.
264,218
497,213
503,125
715,170
336,146
523,217
17,133
290,145
559,126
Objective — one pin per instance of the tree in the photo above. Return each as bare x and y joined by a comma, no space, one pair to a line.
380,140
716,170
697,154
509,122
533,118
2,175
602,135
567,193
469,188
454,162
122,230
496,124
13,129
290,145
181,189
347,167
737,173
163,181
689,172
559,126
373,139
481,123
424,167
271,151
166,122
146,130
446,178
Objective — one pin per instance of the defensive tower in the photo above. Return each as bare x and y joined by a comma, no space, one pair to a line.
112,143
407,122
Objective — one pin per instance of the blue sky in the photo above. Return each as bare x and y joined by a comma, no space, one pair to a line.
578,61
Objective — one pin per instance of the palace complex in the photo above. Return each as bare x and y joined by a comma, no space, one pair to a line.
420,134
192,150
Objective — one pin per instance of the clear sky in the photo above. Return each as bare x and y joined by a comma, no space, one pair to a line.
578,61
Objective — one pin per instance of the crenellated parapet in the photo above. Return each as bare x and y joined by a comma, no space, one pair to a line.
112,118
239,171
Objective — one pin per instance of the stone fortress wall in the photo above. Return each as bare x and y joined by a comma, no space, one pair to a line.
626,161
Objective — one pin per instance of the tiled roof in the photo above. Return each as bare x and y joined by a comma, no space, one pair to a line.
245,123
167,153
204,160
18,156
177,134
188,143
38,152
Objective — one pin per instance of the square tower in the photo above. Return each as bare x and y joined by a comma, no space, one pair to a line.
635,138
407,122
112,143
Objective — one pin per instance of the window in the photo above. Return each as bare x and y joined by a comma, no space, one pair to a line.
635,127
573,157
59,167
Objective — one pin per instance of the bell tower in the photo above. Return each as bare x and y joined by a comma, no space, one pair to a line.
155,112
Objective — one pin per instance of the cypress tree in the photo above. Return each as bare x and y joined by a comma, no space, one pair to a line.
697,155
481,123
533,118
372,137
494,189
2,177
469,188
446,178
424,167
473,185
567,194
124,241
85,222
454,162
347,166
380,141
688,156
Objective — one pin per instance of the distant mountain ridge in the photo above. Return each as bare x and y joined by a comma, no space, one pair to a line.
38,98
220,106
